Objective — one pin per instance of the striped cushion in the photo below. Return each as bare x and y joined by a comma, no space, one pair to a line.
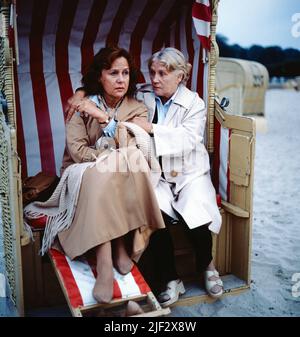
37,224
79,277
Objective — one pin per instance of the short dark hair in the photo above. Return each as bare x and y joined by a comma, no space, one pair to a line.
103,60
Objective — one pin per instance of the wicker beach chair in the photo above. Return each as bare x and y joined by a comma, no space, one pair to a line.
44,50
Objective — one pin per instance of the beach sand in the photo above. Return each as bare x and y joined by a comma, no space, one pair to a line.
276,222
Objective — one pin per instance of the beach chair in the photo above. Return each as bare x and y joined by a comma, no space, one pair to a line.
45,48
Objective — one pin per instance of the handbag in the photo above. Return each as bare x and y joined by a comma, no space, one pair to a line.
39,187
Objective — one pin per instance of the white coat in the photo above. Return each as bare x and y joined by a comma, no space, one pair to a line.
185,161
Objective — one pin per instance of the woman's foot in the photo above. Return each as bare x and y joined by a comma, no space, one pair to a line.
123,266
121,260
133,308
103,289
213,282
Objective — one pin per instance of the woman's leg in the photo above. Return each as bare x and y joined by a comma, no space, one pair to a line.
121,260
103,289
164,256
157,263
202,242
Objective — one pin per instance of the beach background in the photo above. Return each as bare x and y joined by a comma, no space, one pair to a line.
276,224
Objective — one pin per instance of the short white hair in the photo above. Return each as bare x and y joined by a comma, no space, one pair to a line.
173,60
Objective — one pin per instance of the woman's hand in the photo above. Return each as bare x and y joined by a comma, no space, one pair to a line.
73,103
86,106
142,122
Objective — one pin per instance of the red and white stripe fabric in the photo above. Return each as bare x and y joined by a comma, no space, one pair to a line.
57,40
220,175
79,278
202,19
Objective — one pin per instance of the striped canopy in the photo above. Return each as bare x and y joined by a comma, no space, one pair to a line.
56,41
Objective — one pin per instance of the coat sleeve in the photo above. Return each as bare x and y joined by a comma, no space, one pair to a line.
78,142
137,110
182,139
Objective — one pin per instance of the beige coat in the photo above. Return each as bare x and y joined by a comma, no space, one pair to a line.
111,204
83,132
185,161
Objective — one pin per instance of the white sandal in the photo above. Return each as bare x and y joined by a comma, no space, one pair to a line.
171,295
209,284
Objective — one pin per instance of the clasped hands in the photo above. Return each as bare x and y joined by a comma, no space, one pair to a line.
87,107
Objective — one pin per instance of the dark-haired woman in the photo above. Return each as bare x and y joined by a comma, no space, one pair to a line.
114,209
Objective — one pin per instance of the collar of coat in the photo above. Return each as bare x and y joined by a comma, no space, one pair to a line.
184,96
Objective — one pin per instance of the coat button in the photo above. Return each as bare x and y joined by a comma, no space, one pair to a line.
174,173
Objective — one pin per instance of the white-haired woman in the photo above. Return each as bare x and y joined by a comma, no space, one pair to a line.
176,121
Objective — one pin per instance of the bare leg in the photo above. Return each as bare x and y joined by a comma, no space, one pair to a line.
216,288
122,261
103,289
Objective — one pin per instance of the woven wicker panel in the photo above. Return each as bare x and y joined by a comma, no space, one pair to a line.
9,94
213,59
2,64
6,86
8,232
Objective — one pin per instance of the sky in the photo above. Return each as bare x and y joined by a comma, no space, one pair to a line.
263,22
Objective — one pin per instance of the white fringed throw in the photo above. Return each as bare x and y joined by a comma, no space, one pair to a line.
61,206
146,145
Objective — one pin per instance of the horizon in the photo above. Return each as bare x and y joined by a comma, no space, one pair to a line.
230,43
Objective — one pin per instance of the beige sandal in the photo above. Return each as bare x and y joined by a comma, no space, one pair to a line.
209,284
171,295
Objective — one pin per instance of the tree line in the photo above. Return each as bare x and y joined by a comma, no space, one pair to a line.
279,62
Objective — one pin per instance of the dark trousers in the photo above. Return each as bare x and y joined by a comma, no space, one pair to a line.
157,264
